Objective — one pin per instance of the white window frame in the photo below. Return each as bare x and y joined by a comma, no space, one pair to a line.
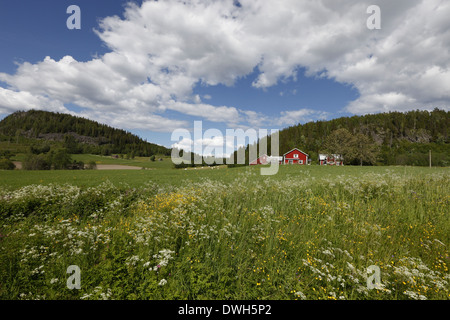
296,156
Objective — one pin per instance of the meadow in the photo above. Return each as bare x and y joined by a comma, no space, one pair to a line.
308,232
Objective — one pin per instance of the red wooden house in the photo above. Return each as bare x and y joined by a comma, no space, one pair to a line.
265,159
295,156
260,160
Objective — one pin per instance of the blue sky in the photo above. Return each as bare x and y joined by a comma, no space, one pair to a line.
31,30
153,67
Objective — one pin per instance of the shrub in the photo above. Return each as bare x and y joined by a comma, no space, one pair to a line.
60,159
91,165
36,162
6,164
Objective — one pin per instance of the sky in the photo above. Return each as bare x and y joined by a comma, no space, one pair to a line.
152,67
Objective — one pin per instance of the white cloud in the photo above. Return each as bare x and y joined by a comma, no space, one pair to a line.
162,49
284,118
10,101
185,144
218,146
225,114
255,119
125,119
297,116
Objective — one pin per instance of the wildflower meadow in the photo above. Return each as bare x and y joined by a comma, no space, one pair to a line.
301,234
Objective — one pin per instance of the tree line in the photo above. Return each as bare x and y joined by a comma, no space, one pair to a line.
78,134
392,138
46,158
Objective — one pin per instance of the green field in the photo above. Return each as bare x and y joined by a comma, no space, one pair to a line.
142,162
166,175
308,232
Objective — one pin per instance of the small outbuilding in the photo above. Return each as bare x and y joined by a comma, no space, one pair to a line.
331,160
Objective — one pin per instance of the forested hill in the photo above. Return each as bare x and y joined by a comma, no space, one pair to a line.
392,138
79,135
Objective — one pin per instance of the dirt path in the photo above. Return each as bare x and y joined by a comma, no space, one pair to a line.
18,164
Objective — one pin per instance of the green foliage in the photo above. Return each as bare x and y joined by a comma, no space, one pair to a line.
36,149
76,165
357,148
6,164
76,134
71,145
36,162
395,138
92,165
340,142
57,159
251,237
6,154
60,159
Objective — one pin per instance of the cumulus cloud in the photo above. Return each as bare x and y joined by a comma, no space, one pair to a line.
224,114
300,116
161,50
216,146
282,119
11,100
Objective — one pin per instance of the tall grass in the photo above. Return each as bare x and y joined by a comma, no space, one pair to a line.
305,234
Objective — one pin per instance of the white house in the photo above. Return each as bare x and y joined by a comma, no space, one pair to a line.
331,160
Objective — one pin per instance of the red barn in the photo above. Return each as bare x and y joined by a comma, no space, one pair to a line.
260,160
295,156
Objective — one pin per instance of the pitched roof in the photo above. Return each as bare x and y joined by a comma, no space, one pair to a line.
324,156
260,157
297,150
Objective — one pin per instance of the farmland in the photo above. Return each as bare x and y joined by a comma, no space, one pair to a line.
306,233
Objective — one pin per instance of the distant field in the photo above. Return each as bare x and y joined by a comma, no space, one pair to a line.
169,176
132,178
143,162
308,232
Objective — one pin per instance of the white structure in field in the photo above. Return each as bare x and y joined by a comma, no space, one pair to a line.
331,160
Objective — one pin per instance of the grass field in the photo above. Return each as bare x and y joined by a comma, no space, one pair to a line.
306,233
143,162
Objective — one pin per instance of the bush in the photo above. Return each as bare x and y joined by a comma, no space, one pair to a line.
76,165
91,165
34,149
180,165
7,154
60,159
6,164
36,162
